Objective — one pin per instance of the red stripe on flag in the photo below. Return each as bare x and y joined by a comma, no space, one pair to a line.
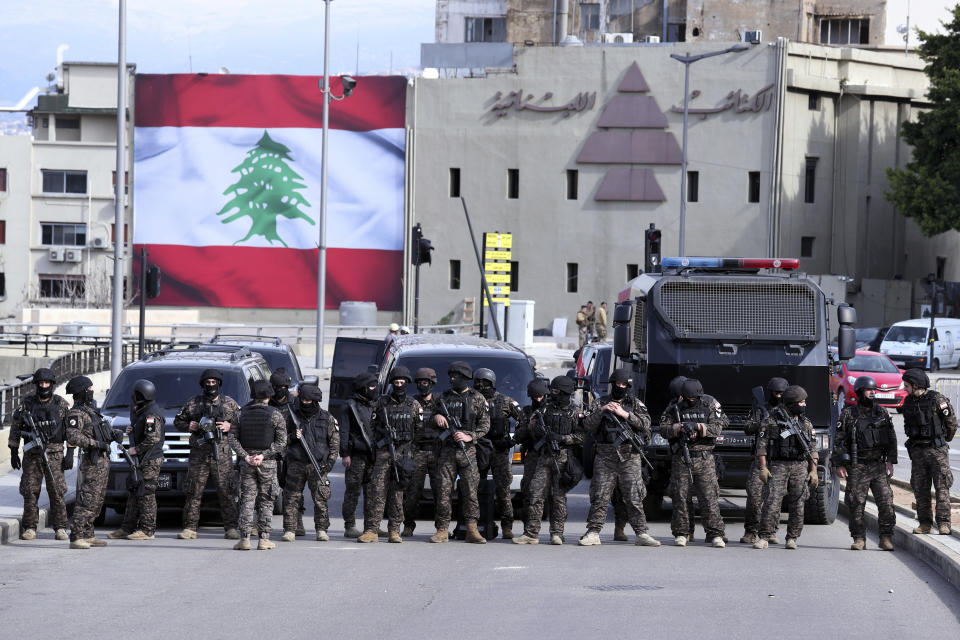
267,101
272,278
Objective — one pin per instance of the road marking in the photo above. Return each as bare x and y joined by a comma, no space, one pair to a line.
322,547
508,568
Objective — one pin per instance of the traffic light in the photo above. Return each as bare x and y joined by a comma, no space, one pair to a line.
651,250
420,247
153,281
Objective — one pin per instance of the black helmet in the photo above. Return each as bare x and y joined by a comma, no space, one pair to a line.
537,388
691,388
280,378
485,374
144,391
676,386
261,389
794,394
425,373
401,372
79,385
311,392
563,384
363,380
461,367
777,385
917,377
864,383
622,375
211,373
44,374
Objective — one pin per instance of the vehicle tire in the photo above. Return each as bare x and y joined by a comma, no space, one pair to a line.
821,507
653,506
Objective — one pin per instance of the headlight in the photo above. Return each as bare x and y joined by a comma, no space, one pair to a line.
922,352
851,379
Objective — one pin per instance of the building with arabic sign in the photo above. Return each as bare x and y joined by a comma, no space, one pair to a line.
575,150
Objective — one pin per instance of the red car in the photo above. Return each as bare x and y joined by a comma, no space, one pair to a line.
890,391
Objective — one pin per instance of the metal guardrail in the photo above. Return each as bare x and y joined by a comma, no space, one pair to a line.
950,387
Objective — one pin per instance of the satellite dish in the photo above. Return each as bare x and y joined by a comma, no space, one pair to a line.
902,29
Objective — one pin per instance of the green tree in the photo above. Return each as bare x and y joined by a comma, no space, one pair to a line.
927,189
267,188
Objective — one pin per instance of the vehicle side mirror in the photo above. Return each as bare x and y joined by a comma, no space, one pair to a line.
621,341
846,342
846,315
623,313
532,361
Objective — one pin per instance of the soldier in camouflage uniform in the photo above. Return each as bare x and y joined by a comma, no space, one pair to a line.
930,423
502,409
757,490
458,454
47,411
282,400
560,425
356,448
85,430
537,391
864,453
146,450
259,436
695,421
618,464
785,466
398,418
225,411
426,449
315,428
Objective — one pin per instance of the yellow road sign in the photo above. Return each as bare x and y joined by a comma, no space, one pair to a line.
497,255
503,278
499,240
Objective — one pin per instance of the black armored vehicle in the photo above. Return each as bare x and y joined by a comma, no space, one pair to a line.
733,323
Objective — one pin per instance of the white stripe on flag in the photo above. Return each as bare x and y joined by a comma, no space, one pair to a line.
180,175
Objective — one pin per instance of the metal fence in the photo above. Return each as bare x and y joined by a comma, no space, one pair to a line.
950,387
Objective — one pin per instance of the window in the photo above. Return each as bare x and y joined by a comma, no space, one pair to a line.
68,123
485,30
454,274
806,246
633,270
64,181
693,186
573,177
753,186
514,276
813,101
3,232
113,233
454,182
513,183
590,17
68,129
676,32
941,267
3,285
810,180
62,286
126,181
60,233
621,8
845,31
573,271
3,179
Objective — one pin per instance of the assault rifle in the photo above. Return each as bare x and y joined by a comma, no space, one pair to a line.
305,444
790,427
136,476
210,432
104,433
37,439
688,429
388,440
453,424
626,434
546,440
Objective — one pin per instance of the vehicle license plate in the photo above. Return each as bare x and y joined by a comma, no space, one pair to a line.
164,481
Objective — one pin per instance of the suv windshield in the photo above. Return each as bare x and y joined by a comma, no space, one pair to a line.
513,374
175,385
872,364
906,334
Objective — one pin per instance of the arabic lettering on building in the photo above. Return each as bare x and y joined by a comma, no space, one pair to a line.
738,101
516,101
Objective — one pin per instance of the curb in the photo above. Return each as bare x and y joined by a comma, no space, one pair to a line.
10,527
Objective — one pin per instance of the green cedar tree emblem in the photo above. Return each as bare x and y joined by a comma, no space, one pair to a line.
267,188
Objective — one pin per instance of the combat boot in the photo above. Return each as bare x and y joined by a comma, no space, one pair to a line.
772,539
718,543
119,533
556,539
618,534
886,544
394,537
367,536
761,544
188,534
140,535
265,545
229,534
680,541
322,536
589,539
442,535
243,544
408,530
525,539
924,528
646,540
791,544
473,535
288,536
944,529
859,544
29,534
351,531
79,543
61,534
748,538
96,542
507,527
381,533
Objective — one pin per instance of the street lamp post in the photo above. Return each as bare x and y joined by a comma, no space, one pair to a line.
687,60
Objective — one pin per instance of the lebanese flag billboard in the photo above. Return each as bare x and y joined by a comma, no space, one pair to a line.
227,189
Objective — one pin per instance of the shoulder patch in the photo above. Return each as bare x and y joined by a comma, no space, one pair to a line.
72,421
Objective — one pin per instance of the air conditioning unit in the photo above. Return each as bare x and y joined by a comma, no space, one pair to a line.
618,38
753,37
56,254
651,39
99,242
73,255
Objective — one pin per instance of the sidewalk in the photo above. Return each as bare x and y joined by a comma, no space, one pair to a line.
11,502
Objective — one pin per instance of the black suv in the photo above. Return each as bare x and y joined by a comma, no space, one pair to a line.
175,371
275,351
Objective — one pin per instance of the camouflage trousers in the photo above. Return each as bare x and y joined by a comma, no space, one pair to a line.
454,461
546,482
202,465
865,477
931,465
788,478
426,459
300,474
617,469
501,467
356,479
756,494
384,493
707,490
90,495
140,513
31,480
256,493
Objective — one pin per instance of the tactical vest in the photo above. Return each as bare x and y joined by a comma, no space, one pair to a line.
140,432
460,407
256,427
46,415
430,433
789,448
872,433
499,419
560,420
362,410
400,416
699,413
315,434
609,430
921,419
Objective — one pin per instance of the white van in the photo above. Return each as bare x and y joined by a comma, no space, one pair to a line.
906,343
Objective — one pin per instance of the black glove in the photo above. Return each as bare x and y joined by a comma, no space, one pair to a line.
540,430
67,460
102,446
117,436
15,458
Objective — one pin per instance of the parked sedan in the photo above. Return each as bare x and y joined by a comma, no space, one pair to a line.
890,392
